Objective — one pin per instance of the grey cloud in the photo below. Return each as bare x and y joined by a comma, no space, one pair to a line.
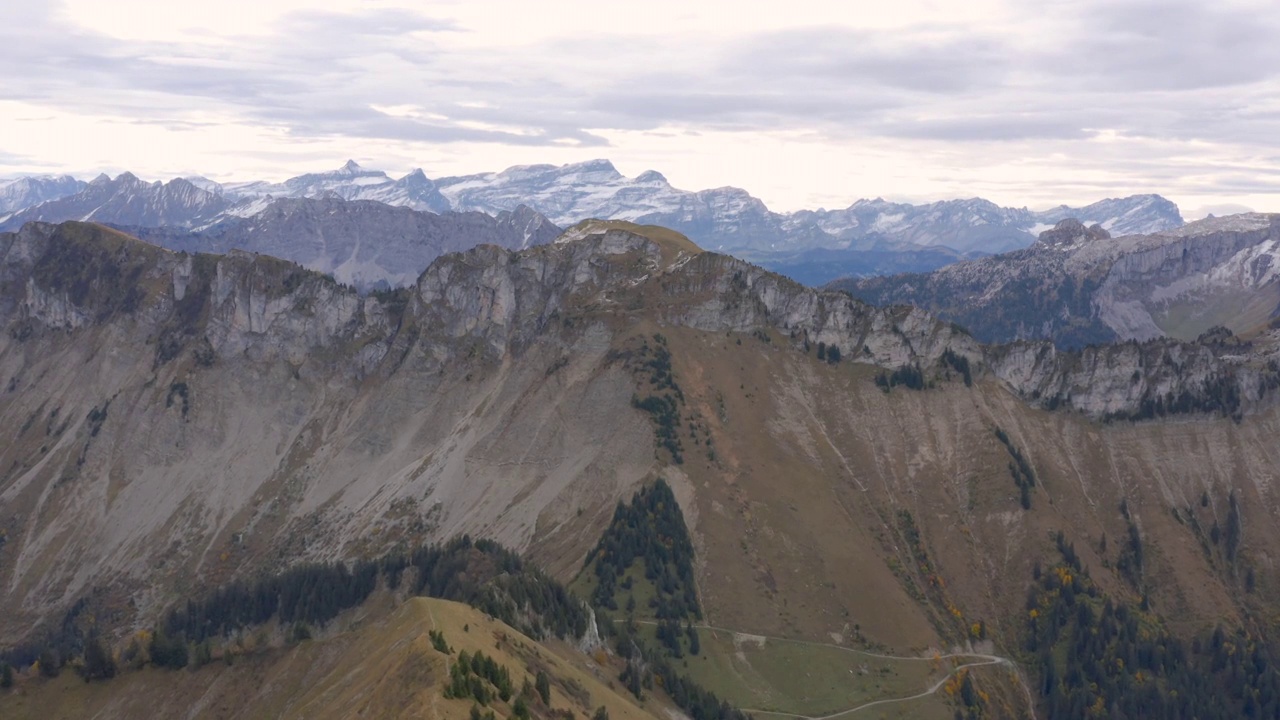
1154,45
991,128
361,122
381,22
932,60
1218,209
12,158
1158,72
650,103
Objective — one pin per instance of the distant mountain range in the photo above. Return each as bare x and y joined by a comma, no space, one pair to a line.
126,200
1077,285
350,182
869,237
361,243
29,191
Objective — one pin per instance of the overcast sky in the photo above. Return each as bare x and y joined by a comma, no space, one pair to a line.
805,104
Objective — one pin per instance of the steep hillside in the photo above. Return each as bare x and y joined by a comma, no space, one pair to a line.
380,663
869,478
1078,286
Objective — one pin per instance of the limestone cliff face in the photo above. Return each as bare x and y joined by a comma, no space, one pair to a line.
506,297
183,419
1078,286
1139,381
503,297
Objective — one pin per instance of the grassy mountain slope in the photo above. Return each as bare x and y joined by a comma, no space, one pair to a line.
262,415
381,665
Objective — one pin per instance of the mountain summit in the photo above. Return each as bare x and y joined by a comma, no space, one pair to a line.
728,218
1078,285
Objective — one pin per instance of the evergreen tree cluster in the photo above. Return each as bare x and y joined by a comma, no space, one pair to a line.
482,574
1131,555
960,364
1220,394
908,376
479,676
647,666
438,643
311,594
168,650
664,396
1100,657
1023,474
672,636
495,580
650,528
99,664
829,353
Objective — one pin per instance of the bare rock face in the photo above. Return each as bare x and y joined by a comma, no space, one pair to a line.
1077,286
1071,231
126,200
361,243
26,192
183,419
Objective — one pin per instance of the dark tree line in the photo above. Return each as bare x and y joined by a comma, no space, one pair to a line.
480,677
1220,394
649,529
311,594
829,353
480,573
1024,476
908,376
960,364
1097,656
647,667
664,397
1130,561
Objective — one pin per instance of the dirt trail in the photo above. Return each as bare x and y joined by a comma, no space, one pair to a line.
982,660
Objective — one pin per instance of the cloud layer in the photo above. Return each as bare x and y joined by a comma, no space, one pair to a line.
1079,100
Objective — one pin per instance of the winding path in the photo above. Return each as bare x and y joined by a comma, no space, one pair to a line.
982,659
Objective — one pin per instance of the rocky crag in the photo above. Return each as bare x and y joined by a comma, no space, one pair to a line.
180,420
1079,285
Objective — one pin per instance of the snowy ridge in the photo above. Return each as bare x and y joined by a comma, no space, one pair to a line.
728,218
24,192
363,243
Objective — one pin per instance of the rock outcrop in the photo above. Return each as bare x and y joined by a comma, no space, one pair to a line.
1076,286
184,419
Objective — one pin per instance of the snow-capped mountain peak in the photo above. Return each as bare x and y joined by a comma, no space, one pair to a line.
649,177
726,218
28,191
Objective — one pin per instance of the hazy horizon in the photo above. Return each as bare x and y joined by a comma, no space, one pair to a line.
803,105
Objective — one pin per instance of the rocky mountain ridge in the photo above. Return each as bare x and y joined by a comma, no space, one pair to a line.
126,200
25,192
362,243
365,243
727,219
350,182
183,419
1078,286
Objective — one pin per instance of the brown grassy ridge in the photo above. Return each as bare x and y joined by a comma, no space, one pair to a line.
383,667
